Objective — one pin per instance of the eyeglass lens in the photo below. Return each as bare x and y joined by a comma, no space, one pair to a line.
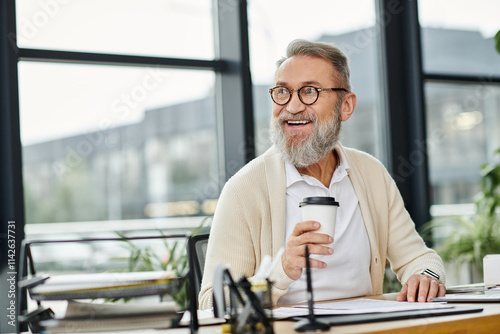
307,94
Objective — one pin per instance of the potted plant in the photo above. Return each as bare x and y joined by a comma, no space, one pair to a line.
175,258
473,237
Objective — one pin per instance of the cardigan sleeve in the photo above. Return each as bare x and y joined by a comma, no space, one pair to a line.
281,283
230,243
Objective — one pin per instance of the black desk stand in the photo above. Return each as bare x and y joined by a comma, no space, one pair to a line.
310,324
42,313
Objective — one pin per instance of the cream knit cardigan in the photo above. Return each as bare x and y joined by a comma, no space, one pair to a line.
249,222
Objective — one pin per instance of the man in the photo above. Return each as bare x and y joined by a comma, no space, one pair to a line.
258,210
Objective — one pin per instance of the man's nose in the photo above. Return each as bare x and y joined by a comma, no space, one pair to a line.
295,105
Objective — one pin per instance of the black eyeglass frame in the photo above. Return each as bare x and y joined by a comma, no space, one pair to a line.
318,90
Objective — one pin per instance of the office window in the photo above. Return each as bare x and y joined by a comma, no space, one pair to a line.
173,28
105,142
111,143
462,100
462,128
352,27
457,36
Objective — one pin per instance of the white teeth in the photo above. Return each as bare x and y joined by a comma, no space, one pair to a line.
297,122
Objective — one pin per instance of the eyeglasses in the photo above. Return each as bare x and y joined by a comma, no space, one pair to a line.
281,95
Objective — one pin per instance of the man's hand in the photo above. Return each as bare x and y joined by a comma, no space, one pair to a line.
293,259
421,288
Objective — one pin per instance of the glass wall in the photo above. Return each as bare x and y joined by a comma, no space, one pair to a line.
462,128
462,116
457,36
119,140
134,142
173,28
111,142
272,25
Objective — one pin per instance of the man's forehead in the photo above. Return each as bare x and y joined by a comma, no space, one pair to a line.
305,70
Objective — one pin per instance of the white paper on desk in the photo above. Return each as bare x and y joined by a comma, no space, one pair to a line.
357,306
79,282
290,312
83,317
79,310
205,317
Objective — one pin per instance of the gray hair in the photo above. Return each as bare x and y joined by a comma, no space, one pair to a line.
329,52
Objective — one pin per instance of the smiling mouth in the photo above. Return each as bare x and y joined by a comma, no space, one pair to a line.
296,123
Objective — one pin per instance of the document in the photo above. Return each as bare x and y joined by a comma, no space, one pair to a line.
357,306
107,285
81,310
205,317
90,317
486,296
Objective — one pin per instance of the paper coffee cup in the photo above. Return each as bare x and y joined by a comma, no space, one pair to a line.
322,210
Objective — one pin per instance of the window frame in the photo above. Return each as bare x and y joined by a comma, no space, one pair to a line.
408,159
429,77
233,93
404,98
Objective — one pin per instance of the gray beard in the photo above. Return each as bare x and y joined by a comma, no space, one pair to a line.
311,149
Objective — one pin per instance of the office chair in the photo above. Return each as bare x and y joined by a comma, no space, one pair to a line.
197,248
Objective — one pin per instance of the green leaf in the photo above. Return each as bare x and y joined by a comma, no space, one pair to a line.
146,258
497,41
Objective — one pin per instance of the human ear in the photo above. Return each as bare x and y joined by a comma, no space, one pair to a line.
348,105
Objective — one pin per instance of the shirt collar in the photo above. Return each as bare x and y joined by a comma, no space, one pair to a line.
293,175
343,161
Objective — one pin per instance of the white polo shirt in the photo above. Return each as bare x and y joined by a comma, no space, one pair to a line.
348,269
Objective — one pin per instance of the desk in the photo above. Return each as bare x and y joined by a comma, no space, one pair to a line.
487,322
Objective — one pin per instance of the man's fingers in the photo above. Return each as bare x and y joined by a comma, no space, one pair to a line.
309,238
304,234
402,295
320,250
313,263
421,288
305,226
313,238
300,252
293,259
424,288
433,290
442,290
316,263
412,289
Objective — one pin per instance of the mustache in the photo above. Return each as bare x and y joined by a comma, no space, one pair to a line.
303,116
